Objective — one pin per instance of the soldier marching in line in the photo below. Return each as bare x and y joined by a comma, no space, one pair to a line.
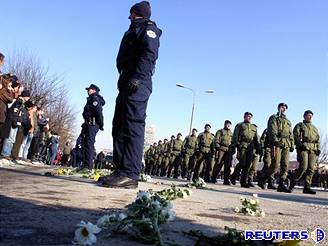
281,142
222,150
190,146
307,141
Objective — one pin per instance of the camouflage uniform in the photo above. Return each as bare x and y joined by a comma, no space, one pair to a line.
245,138
204,154
189,148
281,142
166,158
307,141
175,157
223,155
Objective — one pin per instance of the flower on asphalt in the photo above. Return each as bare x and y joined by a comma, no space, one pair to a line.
105,220
143,194
255,195
262,214
237,210
252,201
251,213
122,216
85,233
242,199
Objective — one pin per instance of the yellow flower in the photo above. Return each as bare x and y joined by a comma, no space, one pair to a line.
96,177
60,171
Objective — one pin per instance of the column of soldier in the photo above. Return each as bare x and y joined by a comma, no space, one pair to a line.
205,155
24,131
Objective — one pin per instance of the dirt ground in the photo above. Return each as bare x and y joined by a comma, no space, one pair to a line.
41,210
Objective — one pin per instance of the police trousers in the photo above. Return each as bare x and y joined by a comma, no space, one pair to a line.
129,131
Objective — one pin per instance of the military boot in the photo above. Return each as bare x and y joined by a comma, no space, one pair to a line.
271,185
282,187
307,190
262,181
250,182
292,184
226,182
233,179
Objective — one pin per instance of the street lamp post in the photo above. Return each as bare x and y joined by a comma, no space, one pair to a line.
193,101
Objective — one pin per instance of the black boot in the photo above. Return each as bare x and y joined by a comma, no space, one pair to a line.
271,185
262,181
250,182
282,187
233,179
292,184
307,190
226,182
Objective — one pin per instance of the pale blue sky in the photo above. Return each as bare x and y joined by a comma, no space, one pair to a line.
254,54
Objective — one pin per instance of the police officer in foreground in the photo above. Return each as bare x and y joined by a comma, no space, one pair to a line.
135,63
93,122
307,141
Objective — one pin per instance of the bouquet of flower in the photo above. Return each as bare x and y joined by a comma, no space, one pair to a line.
144,178
142,218
198,183
251,206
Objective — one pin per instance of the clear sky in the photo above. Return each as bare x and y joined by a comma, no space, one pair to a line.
253,53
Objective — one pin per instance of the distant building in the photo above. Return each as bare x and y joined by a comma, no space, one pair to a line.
149,135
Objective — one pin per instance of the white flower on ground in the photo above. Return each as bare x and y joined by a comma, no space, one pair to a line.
262,214
255,195
168,212
122,216
84,235
156,205
242,199
142,194
237,210
105,220
252,201
251,213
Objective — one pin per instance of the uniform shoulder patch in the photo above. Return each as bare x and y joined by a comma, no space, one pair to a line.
95,103
151,34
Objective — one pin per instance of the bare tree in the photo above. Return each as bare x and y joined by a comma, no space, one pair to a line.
323,157
46,90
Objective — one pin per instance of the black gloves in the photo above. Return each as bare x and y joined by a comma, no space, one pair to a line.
259,151
133,86
291,149
232,150
303,148
318,152
101,128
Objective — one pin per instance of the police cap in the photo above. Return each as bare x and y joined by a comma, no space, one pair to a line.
141,9
93,86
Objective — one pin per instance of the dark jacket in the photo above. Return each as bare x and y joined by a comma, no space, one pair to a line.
138,53
6,97
93,110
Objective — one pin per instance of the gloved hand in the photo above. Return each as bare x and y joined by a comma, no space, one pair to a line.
291,149
259,151
133,86
318,152
101,128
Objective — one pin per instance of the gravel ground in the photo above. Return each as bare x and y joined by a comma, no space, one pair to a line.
40,210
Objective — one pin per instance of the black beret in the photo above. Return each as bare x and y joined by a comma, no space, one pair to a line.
179,134
248,113
208,125
228,122
195,129
307,112
93,86
282,104
141,9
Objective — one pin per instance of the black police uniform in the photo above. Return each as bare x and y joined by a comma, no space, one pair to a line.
93,121
135,62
